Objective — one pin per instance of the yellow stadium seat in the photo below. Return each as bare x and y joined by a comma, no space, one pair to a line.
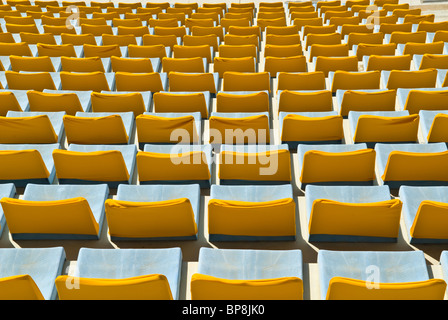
274,65
243,64
27,130
17,49
192,52
423,48
327,39
305,101
418,100
54,102
154,51
301,81
331,50
29,81
132,65
125,81
167,41
343,80
31,38
236,81
88,81
187,102
104,51
61,50
121,40
93,64
367,101
192,82
375,49
412,79
78,39
249,102
32,64
8,102
389,63
282,40
125,102
327,64
96,30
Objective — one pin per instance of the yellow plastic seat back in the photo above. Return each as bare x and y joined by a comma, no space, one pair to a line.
188,102
410,166
29,81
243,218
107,102
372,128
141,65
389,63
251,102
135,31
283,40
352,289
368,101
192,52
45,217
437,132
32,38
54,102
22,164
172,167
327,64
31,64
236,81
365,49
192,82
126,81
8,102
222,65
95,130
435,61
96,30
27,130
343,80
93,64
301,81
88,81
183,65
210,40
274,65
18,49
62,50
20,287
169,218
147,287
156,129
353,166
90,166
205,287
369,38
331,50
121,40
155,51
252,129
405,37
412,79
301,128
101,51
78,39
250,166
283,51
291,101
423,48
377,219
430,221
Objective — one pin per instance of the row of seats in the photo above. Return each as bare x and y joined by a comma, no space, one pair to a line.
351,164
235,213
222,274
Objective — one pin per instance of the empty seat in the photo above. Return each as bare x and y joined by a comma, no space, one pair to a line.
326,38
93,64
239,81
27,163
31,127
253,165
29,81
93,164
136,274
412,164
167,40
137,102
405,37
310,128
69,102
365,100
305,101
175,164
194,82
327,64
423,48
159,212
31,64
429,61
203,51
37,214
243,64
383,127
423,213
375,49
169,127
8,102
410,79
336,164
251,213
432,125
222,275
63,50
183,65
348,275
389,63
209,40
281,51
275,65
30,273
99,128
332,50
282,40
369,38
301,81
86,81
239,128
104,51
133,82
32,38
166,102
346,80
121,40
7,190
242,101
352,214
